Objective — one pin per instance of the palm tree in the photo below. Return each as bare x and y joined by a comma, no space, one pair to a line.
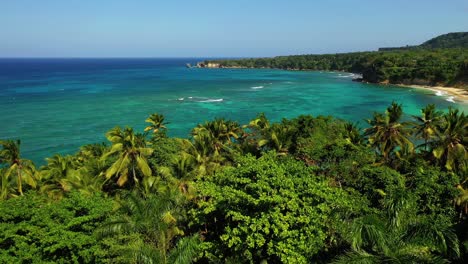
155,220
5,188
218,133
254,132
62,174
184,172
399,236
83,181
277,137
24,169
131,152
260,122
157,123
91,152
387,133
462,199
450,147
232,131
352,133
200,153
58,168
427,124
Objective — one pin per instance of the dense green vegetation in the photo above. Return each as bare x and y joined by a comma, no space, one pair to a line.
449,40
440,61
303,190
445,67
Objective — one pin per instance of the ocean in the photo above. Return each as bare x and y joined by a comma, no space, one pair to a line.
57,105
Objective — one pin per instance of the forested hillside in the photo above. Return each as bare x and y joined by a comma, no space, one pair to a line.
440,61
445,67
303,190
446,41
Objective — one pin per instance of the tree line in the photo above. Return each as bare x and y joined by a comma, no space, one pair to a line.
444,67
303,190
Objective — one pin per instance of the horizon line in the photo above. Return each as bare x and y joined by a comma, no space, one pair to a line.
136,57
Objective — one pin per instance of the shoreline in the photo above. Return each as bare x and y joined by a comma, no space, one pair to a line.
451,94
455,95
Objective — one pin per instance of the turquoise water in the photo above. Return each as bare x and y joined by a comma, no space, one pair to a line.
55,106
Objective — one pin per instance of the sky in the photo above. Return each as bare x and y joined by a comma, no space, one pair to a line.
222,28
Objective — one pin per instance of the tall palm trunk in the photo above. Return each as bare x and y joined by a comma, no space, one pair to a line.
163,247
20,184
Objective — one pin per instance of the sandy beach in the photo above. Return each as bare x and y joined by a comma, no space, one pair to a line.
453,94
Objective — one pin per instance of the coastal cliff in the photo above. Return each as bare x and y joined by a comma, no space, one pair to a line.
423,66
448,67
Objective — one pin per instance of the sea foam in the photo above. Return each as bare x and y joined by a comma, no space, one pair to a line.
257,87
211,100
352,75
199,99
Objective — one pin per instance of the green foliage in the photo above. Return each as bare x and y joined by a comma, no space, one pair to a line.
267,209
434,189
18,170
451,148
399,235
388,135
420,66
164,150
151,228
427,124
303,190
156,123
450,40
35,230
131,152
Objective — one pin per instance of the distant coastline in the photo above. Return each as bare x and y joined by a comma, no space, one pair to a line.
458,95
455,94
439,64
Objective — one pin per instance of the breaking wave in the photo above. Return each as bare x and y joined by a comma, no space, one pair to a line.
211,100
440,93
199,99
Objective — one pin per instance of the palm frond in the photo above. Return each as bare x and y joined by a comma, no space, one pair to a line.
185,250
357,257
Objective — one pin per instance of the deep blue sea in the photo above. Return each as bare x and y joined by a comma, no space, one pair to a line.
57,105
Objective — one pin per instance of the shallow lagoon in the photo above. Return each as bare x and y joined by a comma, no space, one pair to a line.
57,105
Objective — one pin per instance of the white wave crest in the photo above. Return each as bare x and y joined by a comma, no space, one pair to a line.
440,93
199,99
351,75
257,87
450,99
211,100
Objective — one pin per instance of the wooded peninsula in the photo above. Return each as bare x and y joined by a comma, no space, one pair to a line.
441,61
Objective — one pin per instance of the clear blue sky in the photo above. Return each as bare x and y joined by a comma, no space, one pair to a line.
209,28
